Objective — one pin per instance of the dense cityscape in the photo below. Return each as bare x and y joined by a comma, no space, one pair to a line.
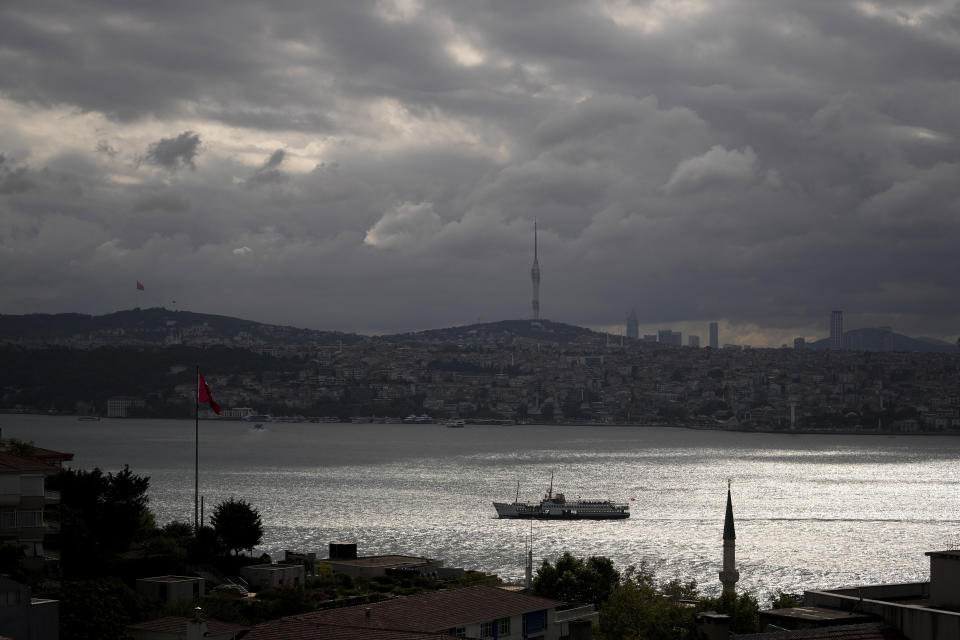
522,371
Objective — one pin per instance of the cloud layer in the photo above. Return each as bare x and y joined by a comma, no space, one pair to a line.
377,166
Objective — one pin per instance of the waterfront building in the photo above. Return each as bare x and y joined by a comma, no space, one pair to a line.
729,575
714,336
633,327
836,329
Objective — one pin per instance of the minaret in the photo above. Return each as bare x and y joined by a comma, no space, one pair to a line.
535,276
729,575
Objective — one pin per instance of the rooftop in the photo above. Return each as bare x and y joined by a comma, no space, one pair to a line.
432,612
11,463
178,624
867,631
380,561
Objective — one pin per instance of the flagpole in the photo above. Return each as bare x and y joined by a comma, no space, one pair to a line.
196,455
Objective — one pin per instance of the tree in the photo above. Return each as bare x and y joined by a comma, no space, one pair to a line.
575,580
237,524
102,514
641,608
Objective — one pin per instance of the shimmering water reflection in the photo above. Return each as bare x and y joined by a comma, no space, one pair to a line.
812,511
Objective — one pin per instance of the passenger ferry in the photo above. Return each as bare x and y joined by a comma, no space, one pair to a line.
557,507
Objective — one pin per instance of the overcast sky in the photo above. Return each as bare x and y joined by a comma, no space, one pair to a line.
378,166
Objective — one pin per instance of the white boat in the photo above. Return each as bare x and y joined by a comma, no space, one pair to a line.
556,507
456,424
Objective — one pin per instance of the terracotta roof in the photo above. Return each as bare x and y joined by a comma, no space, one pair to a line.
867,631
178,624
438,611
10,462
299,629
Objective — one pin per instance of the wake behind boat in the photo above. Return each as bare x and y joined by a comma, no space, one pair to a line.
557,507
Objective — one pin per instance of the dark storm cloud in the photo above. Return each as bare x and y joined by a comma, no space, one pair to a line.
174,153
753,162
270,172
13,179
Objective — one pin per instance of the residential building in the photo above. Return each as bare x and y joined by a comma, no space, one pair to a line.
470,612
24,617
714,335
171,589
917,610
693,341
273,576
23,501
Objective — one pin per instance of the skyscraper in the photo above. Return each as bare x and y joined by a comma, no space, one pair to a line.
535,276
633,327
836,329
714,336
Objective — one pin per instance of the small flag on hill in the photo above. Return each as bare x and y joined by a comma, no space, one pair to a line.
204,395
139,286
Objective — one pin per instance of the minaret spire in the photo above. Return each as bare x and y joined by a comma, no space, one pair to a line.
729,576
535,275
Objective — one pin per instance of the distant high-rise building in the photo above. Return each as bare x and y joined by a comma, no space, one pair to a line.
836,329
666,336
535,276
633,328
652,337
693,341
799,343
886,338
714,336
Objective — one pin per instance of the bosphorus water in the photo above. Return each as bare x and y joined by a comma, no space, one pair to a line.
812,511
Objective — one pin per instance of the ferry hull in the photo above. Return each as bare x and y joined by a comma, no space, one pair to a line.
566,512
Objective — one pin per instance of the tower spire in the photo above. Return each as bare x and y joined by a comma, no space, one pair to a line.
729,575
535,275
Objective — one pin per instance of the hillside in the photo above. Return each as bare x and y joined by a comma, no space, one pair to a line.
502,332
153,326
871,339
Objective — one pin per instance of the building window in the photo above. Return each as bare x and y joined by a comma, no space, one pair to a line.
459,632
8,598
503,627
486,630
8,520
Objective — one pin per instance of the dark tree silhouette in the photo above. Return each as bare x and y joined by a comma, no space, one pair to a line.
237,524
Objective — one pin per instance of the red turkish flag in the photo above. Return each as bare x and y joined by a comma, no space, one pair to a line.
204,395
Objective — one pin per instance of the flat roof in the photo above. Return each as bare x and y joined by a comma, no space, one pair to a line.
815,614
379,561
171,579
